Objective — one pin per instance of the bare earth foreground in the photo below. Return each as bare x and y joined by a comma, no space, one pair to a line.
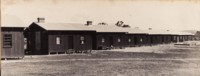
160,60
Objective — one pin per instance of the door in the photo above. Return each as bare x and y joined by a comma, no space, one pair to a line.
37,41
151,39
111,41
70,42
163,39
135,40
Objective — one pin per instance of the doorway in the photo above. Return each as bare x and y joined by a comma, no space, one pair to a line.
135,40
70,42
111,41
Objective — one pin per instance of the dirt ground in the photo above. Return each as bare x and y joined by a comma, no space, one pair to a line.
159,60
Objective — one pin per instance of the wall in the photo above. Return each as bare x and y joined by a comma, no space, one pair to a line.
17,49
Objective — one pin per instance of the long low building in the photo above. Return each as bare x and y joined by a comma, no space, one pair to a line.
45,38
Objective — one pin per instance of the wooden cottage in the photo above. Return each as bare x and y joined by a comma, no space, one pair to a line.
108,36
136,37
162,37
184,36
12,37
47,38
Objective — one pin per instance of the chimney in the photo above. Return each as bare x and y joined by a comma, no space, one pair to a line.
41,20
150,28
89,23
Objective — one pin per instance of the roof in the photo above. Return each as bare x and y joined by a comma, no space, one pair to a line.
165,32
11,21
64,26
107,28
186,33
190,31
135,31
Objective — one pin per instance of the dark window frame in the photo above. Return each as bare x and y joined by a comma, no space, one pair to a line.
7,41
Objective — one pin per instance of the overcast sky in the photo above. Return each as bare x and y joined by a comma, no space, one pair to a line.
178,15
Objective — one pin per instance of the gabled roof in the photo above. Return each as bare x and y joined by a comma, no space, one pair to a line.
11,21
64,26
107,28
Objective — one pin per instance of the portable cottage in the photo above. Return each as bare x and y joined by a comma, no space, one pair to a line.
185,36
136,37
12,37
161,36
47,38
108,36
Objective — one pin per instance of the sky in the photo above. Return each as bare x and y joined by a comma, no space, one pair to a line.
155,14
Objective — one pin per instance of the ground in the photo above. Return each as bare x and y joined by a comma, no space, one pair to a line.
159,60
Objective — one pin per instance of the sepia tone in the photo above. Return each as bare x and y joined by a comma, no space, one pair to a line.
100,38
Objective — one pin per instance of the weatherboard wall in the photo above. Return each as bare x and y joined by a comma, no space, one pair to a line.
65,45
111,40
17,48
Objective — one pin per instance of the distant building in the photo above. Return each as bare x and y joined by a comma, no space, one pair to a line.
197,35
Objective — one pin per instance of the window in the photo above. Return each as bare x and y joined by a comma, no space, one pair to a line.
7,40
118,40
141,39
129,40
58,40
25,43
82,40
103,40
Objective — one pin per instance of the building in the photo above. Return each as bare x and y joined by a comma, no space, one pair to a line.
12,37
185,36
47,38
108,36
136,37
160,36
167,36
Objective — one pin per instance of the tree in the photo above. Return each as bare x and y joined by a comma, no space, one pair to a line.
127,26
119,23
